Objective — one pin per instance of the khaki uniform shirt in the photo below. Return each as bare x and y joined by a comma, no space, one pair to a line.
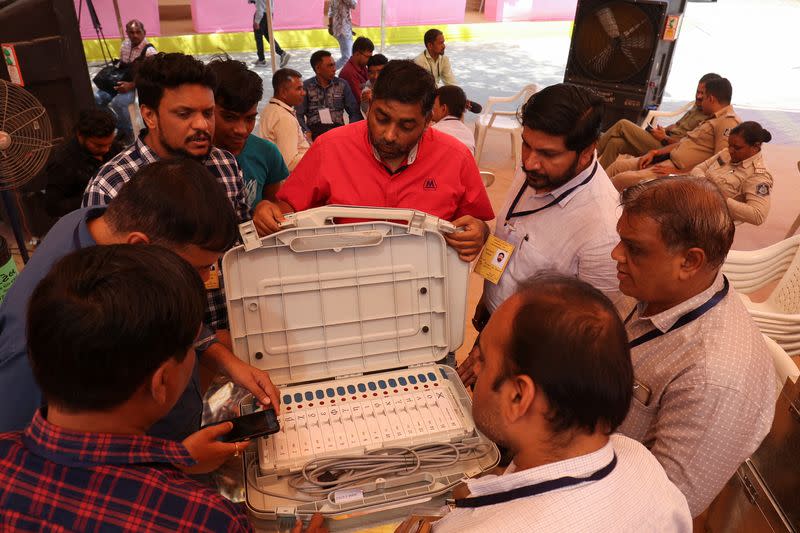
705,392
746,185
705,140
689,121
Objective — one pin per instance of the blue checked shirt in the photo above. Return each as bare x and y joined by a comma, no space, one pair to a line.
113,175
337,97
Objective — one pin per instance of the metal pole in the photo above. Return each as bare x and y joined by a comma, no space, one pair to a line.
383,24
119,21
271,37
13,218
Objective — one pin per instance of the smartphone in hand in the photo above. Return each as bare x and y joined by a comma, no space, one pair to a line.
250,426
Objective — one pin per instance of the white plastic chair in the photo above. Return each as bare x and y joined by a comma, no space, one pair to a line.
487,178
652,116
502,120
785,367
778,316
796,222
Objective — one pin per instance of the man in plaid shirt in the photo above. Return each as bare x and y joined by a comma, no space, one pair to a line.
176,94
109,372
327,98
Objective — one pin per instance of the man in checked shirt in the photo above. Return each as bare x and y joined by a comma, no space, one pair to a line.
109,371
704,391
176,95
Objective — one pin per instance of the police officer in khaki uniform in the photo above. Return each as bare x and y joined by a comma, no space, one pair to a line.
625,137
707,139
741,174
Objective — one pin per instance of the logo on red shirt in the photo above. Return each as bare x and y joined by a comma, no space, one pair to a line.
429,184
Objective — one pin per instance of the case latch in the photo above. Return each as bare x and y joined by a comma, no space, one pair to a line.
250,237
416,226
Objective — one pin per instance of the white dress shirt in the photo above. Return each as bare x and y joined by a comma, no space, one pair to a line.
573,237
635,496
279,125
456,127
711,392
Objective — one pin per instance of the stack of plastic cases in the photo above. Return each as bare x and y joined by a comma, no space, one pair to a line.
319,302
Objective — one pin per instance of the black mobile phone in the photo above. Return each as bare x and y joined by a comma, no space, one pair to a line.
258,424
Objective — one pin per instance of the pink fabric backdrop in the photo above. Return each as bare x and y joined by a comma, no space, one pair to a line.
144,10
212,16
510,10
410,12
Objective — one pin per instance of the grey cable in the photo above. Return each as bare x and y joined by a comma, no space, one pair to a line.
354,470
394,462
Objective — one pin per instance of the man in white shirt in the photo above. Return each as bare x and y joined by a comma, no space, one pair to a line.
705,384
554,381
278,122
448,114
561,210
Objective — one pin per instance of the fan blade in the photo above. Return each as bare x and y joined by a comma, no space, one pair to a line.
608,21
18,121
602,57
633,28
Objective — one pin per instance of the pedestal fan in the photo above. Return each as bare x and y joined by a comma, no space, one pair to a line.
25,142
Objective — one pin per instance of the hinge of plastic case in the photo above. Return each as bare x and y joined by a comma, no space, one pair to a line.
353,375
417,365
249,235
416,226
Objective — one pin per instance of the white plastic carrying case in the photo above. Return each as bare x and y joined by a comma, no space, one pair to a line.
349,319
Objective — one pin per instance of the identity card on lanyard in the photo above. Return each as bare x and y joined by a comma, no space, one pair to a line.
497,252
494,259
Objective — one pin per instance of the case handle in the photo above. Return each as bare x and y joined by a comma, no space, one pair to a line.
418,221
335,242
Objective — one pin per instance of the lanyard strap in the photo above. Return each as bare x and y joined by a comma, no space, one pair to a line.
691,316
284,109
511,214
536,488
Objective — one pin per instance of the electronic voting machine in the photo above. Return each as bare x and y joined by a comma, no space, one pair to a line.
350,319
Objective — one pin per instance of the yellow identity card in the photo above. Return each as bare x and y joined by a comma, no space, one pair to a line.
213,278
494,259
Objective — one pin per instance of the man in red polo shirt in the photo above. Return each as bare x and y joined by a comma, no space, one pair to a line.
393,159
